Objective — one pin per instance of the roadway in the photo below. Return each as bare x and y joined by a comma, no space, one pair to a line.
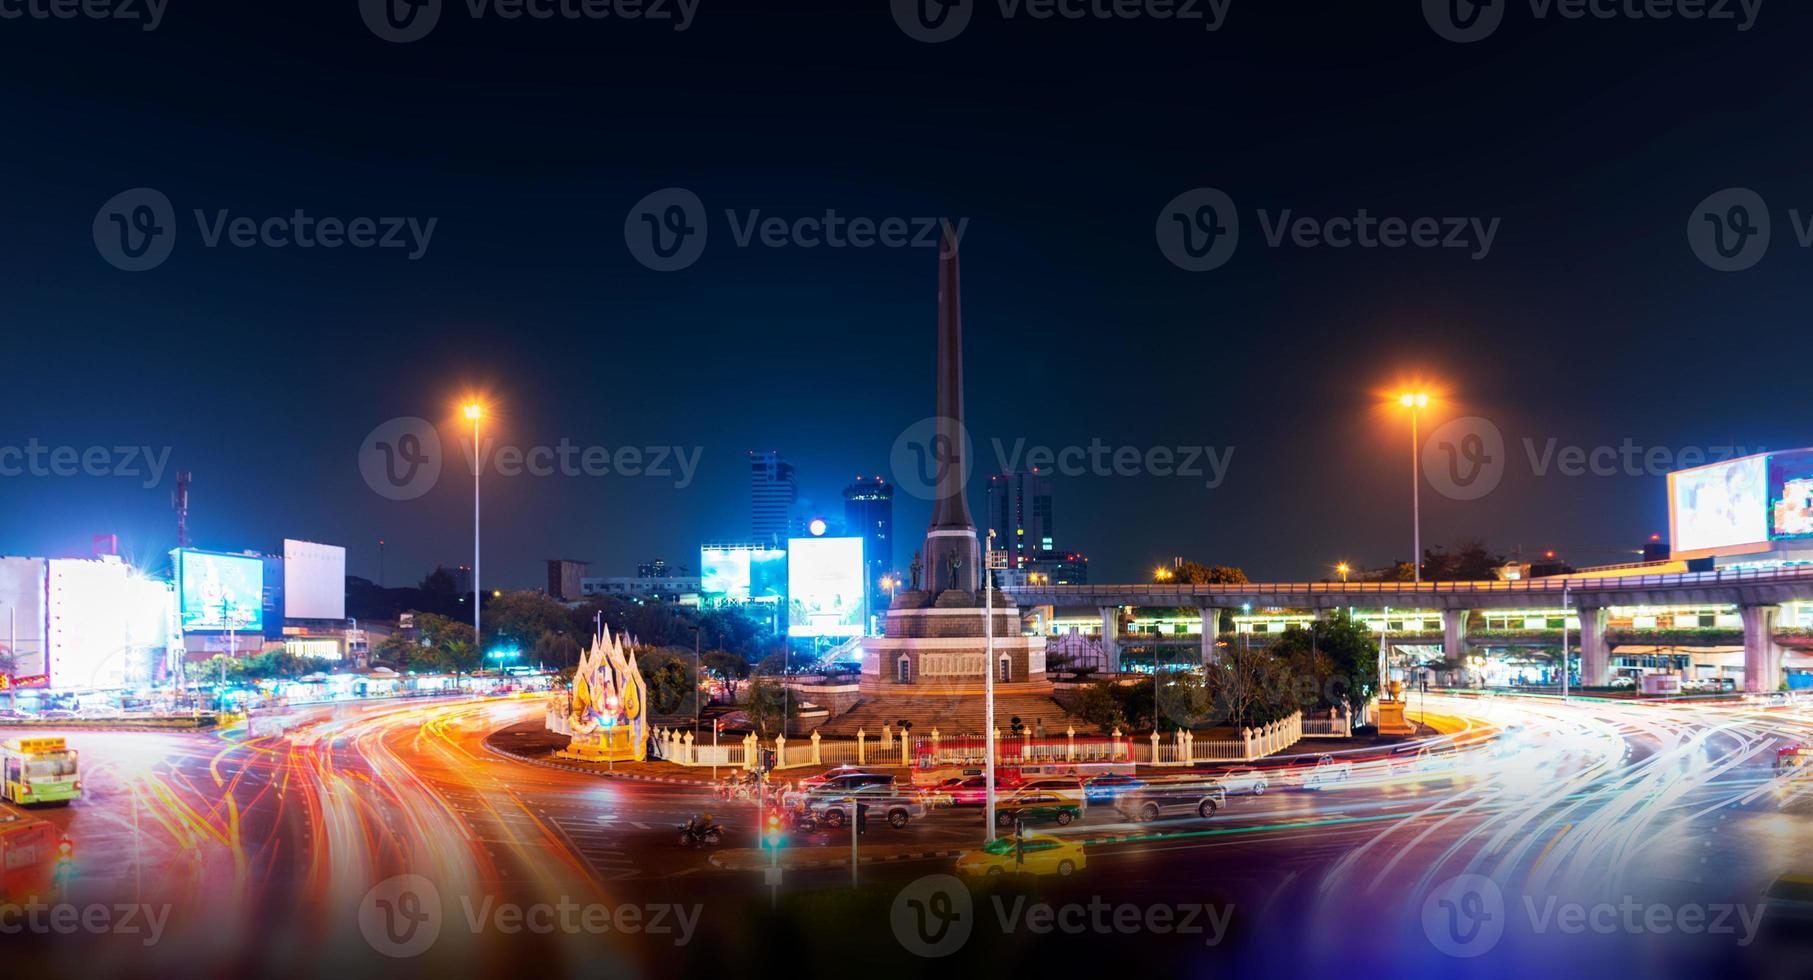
264,852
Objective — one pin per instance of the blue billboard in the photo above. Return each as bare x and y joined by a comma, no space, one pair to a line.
220,592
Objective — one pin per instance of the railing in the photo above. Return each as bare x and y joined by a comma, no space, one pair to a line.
1340,726
1544,586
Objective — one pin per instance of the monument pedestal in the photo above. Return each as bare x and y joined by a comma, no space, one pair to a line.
1392,721
605,745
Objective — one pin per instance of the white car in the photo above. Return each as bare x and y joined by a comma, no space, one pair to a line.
1244,780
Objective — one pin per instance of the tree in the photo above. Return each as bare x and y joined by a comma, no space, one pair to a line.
769,705
729,668
1250,687
557,650
517,620
439,583
671,682
1098,704
1340,654
1470,561
1194,573
446,645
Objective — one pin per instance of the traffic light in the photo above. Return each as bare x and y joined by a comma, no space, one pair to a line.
6,682
66,858
774,828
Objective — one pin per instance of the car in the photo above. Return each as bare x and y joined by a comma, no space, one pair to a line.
1320,772
1244,780
1201,798
1788,910
1035,854
837,785
1426,759
969,791
1030,808
1070,789
1107,786
875,800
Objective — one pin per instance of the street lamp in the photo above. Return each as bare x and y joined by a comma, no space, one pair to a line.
1342,570
1415,401
475,412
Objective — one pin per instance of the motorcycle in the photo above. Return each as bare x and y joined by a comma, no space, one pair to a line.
691,836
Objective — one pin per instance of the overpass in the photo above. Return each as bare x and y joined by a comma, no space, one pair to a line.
1757,593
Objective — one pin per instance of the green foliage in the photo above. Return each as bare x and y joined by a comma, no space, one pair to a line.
1338,654
1099,704
1195,573
670,678
1470,561
518,620
1250,687
769,705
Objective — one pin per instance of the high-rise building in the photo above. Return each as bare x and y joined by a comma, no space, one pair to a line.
1019,512
869,514
773,492
653,569
564,576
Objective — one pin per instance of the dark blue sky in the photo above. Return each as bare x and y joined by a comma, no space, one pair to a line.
1590,322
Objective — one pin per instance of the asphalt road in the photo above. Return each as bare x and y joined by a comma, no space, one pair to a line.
1585,838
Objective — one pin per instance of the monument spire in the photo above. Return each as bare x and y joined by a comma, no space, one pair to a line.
951,550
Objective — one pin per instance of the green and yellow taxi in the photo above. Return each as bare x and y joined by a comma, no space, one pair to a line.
1037,807
1033,854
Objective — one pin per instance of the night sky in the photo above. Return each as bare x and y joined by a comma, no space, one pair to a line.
1589,322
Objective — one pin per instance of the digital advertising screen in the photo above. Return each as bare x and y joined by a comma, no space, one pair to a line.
743,574
824,587
767,575
1791,494
724,573
1723,507
221,592
314,580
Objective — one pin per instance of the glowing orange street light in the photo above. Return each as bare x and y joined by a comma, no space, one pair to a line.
1341,570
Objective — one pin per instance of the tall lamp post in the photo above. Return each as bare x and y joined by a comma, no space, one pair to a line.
1416,401
475,412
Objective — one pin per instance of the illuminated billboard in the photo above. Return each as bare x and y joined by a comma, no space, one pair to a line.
1791,494
220,592
742,573
90,623
22,593
314,580
1720,509
824,587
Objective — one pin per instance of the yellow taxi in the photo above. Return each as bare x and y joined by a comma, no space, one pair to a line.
1035,854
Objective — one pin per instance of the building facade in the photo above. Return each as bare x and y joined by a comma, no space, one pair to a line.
869,514
1020,514
773,492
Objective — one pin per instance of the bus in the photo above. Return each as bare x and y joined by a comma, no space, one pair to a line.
38,770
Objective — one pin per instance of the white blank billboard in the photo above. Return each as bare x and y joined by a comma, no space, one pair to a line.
314,580
90,623
824,587
22,613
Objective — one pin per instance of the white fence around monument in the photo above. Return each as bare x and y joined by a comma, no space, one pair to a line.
899,749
